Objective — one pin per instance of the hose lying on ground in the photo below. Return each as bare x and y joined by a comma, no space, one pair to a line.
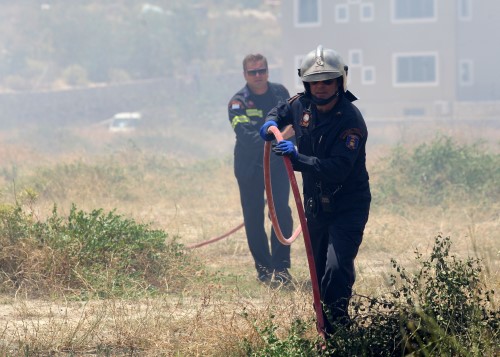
201,244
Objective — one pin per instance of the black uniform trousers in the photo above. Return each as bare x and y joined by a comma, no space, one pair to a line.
335,240
252,196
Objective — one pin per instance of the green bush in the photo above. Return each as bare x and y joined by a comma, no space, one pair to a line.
295,344
88,253
14,224
438,171
444,309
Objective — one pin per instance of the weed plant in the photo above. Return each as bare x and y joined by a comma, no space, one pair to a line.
438,171
87,253
297,343
444,309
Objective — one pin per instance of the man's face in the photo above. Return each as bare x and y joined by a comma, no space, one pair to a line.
256,75
324,89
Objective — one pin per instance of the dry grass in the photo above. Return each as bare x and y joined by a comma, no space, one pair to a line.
213,319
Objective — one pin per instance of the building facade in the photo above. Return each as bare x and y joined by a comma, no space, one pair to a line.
407,58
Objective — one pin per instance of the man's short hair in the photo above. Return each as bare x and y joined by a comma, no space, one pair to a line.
253,58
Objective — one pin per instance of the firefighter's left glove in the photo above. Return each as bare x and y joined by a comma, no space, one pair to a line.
286,148
263,130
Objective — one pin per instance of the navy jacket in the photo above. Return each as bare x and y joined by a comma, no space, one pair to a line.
332,149
246,119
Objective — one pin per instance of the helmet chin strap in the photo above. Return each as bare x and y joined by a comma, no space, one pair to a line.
319,101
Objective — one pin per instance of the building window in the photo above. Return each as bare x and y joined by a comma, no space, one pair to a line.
466,73
307,12
366,12
368,75
465,10
355,58
413,70
295,74
342,13
413,10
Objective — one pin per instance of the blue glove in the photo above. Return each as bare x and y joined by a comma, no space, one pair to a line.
286,148
263,130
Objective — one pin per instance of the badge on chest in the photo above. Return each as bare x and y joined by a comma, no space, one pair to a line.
306,118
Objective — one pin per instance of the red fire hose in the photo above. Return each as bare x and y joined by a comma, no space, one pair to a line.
197,245
303,223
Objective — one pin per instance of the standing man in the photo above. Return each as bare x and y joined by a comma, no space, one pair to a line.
331,136
247,111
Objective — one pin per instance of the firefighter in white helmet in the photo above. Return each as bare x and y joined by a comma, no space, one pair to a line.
331,139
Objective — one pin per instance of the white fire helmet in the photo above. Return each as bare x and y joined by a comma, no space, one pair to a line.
322,64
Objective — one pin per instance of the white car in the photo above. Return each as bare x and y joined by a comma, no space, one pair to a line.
123,122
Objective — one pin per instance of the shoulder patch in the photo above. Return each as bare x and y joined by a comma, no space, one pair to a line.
235,104
352,137
352,142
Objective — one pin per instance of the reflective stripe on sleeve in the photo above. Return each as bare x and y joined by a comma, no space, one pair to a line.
239,119
254,113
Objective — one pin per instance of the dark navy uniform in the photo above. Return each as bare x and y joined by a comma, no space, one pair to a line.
247,112
332,160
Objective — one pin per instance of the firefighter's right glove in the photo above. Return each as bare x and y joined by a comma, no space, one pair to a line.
286,148
263,130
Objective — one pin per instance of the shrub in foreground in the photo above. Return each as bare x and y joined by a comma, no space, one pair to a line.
87,253
444,309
